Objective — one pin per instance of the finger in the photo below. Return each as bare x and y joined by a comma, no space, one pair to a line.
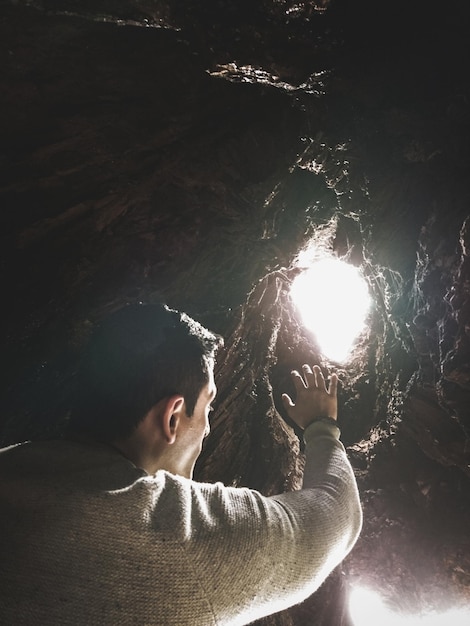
309,375
333,388
319,379
299,383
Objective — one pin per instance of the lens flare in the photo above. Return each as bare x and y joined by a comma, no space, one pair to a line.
333,300
366,608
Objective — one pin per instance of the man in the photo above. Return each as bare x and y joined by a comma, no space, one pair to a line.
107,526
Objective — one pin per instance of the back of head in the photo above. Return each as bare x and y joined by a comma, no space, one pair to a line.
136,357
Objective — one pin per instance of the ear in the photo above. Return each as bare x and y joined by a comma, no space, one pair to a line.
173,410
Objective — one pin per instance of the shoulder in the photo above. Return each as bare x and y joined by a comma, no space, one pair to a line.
194,508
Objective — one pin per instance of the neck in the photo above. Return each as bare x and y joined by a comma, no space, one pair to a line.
137,454
150,461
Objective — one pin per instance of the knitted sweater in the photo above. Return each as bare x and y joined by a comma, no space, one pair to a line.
87,538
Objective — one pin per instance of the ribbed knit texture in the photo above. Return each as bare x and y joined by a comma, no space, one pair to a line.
86,538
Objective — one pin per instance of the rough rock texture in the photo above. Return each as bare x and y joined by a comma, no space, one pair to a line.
189,151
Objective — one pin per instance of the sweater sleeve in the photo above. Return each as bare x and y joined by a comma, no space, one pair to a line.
254,555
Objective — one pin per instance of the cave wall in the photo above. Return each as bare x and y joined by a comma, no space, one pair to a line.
170,150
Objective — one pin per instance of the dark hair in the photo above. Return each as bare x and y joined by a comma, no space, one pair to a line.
136,357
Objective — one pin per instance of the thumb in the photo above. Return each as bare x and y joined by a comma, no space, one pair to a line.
287,401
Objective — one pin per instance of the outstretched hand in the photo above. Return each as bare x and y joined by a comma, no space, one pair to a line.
313,399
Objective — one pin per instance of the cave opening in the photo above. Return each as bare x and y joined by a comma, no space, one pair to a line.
333,301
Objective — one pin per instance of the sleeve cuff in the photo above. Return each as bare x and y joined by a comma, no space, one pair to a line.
320,428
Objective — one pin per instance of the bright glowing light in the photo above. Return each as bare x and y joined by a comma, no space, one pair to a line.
333,300
366,608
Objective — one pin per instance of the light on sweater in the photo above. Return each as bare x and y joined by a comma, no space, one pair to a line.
366,607
333,300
